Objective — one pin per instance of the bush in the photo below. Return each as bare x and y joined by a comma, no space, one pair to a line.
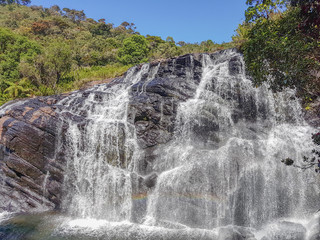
135,50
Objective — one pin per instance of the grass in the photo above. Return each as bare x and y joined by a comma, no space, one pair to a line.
78,78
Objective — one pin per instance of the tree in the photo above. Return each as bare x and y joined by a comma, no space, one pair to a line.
101,28
154,41
41,27
170,40
129,26
74,15
277,53
6,38
241,34
57,61
135,50
14,49
182,43
207,46
263,8
50,67
56,9
282,48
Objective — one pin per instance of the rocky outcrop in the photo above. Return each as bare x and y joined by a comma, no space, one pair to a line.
32,141
31,175
31,132
153,104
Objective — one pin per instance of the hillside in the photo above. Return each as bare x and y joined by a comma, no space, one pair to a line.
46,51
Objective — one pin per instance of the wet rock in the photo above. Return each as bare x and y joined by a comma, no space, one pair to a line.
285,230
235,233
154,102
235,66
150,180
28,136
314,227
140,190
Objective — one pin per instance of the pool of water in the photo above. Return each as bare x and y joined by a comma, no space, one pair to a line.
56,226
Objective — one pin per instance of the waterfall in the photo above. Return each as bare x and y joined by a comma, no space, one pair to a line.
221,167
101,152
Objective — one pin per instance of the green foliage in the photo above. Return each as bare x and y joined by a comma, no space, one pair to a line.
242,33
74,15
154,41
101,29
84,75
18,89
100,72
135,50
57,60
263,8
278,53
13,49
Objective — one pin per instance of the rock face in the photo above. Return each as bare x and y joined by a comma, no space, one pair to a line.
284,230
32,159
31,175
314,227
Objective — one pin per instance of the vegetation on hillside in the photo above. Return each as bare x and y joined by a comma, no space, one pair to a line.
45,51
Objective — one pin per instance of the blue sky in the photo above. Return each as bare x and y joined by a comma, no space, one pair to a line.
189,20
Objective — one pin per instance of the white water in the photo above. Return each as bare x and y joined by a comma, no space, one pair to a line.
101,154
5,216
222,167
219,172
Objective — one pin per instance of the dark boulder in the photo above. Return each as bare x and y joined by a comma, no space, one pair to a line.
28,165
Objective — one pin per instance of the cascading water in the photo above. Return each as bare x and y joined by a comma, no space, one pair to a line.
223,166
101,153
187,148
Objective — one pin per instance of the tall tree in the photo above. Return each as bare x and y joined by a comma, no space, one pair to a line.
284,50
263,8
57,61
